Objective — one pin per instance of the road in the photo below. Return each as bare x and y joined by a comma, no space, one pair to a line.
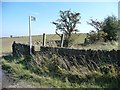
5,79
7,82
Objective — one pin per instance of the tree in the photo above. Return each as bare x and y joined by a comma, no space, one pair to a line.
111,26
97,25
67,25
94,36
119,33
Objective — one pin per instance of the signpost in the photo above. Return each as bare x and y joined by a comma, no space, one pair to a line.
31,18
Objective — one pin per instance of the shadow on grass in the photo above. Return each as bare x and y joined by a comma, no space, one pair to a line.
104,81
10,58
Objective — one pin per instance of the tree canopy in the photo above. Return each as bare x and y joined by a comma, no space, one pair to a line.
67,25
111,26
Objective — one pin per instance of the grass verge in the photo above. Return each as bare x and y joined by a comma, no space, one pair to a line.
54,71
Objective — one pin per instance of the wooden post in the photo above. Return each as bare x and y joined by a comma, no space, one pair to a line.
62,40
44,39
13,48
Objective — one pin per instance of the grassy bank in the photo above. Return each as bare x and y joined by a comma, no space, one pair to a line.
52,70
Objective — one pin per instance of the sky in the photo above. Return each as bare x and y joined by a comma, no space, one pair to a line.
15,15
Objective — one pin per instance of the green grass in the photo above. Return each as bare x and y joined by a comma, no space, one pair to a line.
19,72
50,71
79,39
7,42
100,47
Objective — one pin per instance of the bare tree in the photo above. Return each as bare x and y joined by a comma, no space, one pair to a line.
97,25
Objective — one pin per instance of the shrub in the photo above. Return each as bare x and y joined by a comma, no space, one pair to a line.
92,37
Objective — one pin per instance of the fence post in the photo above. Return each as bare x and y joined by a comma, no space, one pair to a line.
44,39
13,48
62,40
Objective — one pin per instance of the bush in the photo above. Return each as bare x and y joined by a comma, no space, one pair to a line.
111,26
93,37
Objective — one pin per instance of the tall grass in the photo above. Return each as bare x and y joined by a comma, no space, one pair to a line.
53,70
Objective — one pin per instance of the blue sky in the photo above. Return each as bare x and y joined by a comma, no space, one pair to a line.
15,15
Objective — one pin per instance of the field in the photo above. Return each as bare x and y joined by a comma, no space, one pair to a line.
7,42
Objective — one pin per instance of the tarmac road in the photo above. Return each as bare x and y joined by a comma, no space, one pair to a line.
4,79
7,82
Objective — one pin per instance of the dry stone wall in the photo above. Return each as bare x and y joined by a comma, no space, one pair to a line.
21,49
95,55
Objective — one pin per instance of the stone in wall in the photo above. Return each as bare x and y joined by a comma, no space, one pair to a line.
95,55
